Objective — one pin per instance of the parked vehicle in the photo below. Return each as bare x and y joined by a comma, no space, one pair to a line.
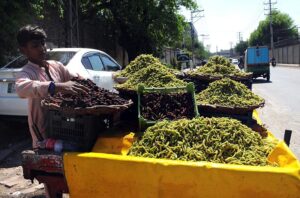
235,62
257,61
89,63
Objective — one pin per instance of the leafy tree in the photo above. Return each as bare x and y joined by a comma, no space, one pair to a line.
283,28
39,7
186,44
200,51
12,15
241,47
140,26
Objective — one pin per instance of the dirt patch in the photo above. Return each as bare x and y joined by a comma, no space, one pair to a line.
14,138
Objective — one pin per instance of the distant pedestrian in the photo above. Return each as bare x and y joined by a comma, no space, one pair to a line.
241,62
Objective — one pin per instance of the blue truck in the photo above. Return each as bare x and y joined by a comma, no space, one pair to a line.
257,61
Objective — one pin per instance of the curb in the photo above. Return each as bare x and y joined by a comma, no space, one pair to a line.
288,65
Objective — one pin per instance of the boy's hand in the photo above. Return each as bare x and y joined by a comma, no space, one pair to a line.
70,87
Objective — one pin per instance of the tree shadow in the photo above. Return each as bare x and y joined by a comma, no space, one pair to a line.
13,130
14,138
13,157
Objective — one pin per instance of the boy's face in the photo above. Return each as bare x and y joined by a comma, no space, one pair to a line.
35,50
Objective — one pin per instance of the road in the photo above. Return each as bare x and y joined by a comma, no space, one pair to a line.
282,109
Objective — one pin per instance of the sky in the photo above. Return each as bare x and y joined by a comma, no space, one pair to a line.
223,19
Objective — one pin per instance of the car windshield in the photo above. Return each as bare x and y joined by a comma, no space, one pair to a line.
17,63
61,56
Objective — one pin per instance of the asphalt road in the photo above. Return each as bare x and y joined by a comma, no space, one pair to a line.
282,109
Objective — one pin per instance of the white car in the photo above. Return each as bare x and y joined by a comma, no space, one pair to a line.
235,62
89,63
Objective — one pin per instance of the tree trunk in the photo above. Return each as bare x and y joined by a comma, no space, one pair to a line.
132,53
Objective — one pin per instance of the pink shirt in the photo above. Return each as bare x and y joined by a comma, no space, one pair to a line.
32,82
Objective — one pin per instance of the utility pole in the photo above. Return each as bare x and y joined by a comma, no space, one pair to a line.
271,26
195,14
240,37
72,26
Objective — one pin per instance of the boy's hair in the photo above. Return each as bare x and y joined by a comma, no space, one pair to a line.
30,32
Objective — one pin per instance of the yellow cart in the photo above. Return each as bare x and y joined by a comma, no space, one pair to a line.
108,172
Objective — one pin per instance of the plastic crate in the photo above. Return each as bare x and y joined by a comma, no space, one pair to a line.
80,129
143,122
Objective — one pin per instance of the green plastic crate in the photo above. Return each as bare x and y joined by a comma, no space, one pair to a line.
143,122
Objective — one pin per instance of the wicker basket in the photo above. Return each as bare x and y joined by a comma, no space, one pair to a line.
203,76
243,114
202,81
229,110
94,110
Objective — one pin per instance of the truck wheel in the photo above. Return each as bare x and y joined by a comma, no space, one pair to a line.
268,77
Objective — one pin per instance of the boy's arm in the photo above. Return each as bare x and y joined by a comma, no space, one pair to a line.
27,88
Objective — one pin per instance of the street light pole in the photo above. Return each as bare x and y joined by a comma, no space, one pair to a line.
192,37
